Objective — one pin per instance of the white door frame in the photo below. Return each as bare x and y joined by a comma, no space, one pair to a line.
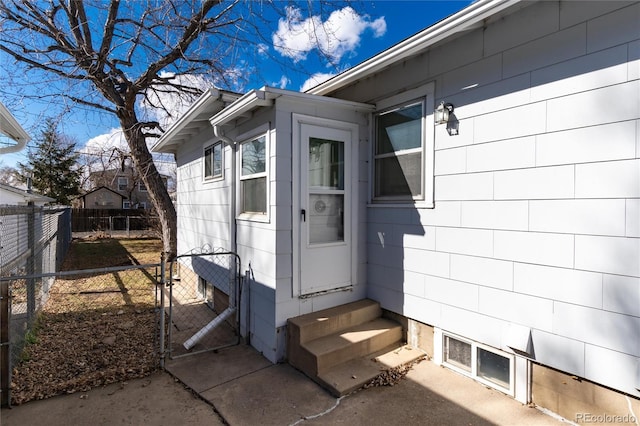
298,120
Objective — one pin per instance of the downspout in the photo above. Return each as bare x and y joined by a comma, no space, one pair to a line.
233,303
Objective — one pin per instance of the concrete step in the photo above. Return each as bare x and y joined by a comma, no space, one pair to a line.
354,342
351,375
333,320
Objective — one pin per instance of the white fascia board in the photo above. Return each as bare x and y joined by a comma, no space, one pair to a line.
199,106
250,100
464,20
266,96
273,93
9,126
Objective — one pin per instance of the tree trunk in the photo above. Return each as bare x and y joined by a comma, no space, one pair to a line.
143,162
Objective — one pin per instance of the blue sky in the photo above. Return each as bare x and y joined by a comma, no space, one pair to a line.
354,36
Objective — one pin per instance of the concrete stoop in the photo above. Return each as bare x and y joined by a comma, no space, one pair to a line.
345,347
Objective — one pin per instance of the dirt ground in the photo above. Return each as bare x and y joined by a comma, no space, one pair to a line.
154,400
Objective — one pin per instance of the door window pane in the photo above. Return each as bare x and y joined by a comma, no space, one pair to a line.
326,164
326,218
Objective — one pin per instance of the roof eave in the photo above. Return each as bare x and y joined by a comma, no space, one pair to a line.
266,96
10,127
167,141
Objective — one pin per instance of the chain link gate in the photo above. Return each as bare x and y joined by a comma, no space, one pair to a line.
202,303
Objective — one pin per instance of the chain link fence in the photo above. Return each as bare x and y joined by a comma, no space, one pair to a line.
33,243
203,302
96,327
70,331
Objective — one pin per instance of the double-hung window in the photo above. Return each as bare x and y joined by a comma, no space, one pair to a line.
253,176
403,149
123,183
213,161
399,153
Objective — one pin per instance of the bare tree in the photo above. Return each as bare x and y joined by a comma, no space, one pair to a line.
113,56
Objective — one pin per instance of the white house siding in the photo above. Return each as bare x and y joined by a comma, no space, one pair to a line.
202,207
537,200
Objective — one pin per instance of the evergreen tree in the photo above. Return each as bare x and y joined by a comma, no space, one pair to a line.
53,165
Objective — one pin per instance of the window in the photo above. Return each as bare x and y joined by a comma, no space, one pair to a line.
213,161
253,176
142,187
126,204
487,365
403,149
123,183
398,153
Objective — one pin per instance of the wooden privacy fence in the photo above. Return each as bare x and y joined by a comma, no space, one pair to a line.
91,220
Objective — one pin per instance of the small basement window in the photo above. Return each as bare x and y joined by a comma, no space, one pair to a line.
487,365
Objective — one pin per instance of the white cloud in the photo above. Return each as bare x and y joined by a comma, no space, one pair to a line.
166,104
263,49
282,83
314,80
338,35
107,142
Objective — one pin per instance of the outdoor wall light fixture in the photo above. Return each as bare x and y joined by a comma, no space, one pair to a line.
443,111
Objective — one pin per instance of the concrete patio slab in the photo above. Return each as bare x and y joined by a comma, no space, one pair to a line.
207,370
277,395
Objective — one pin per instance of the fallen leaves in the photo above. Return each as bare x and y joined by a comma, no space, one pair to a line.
392,376
78,351
95,329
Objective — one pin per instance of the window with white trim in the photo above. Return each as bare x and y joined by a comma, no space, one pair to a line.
213,161
403,149
142,187
490,366
399,153
253,176
126,204
123,183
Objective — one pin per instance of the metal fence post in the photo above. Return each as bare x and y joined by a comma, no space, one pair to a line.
31,263
162,312
5,348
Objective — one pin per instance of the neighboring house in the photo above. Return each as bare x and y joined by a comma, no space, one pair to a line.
102,198
126,182
507,234
12,196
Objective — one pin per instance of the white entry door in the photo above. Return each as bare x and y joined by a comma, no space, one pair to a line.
325,208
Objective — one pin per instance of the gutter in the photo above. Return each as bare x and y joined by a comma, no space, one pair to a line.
10,127
468,18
